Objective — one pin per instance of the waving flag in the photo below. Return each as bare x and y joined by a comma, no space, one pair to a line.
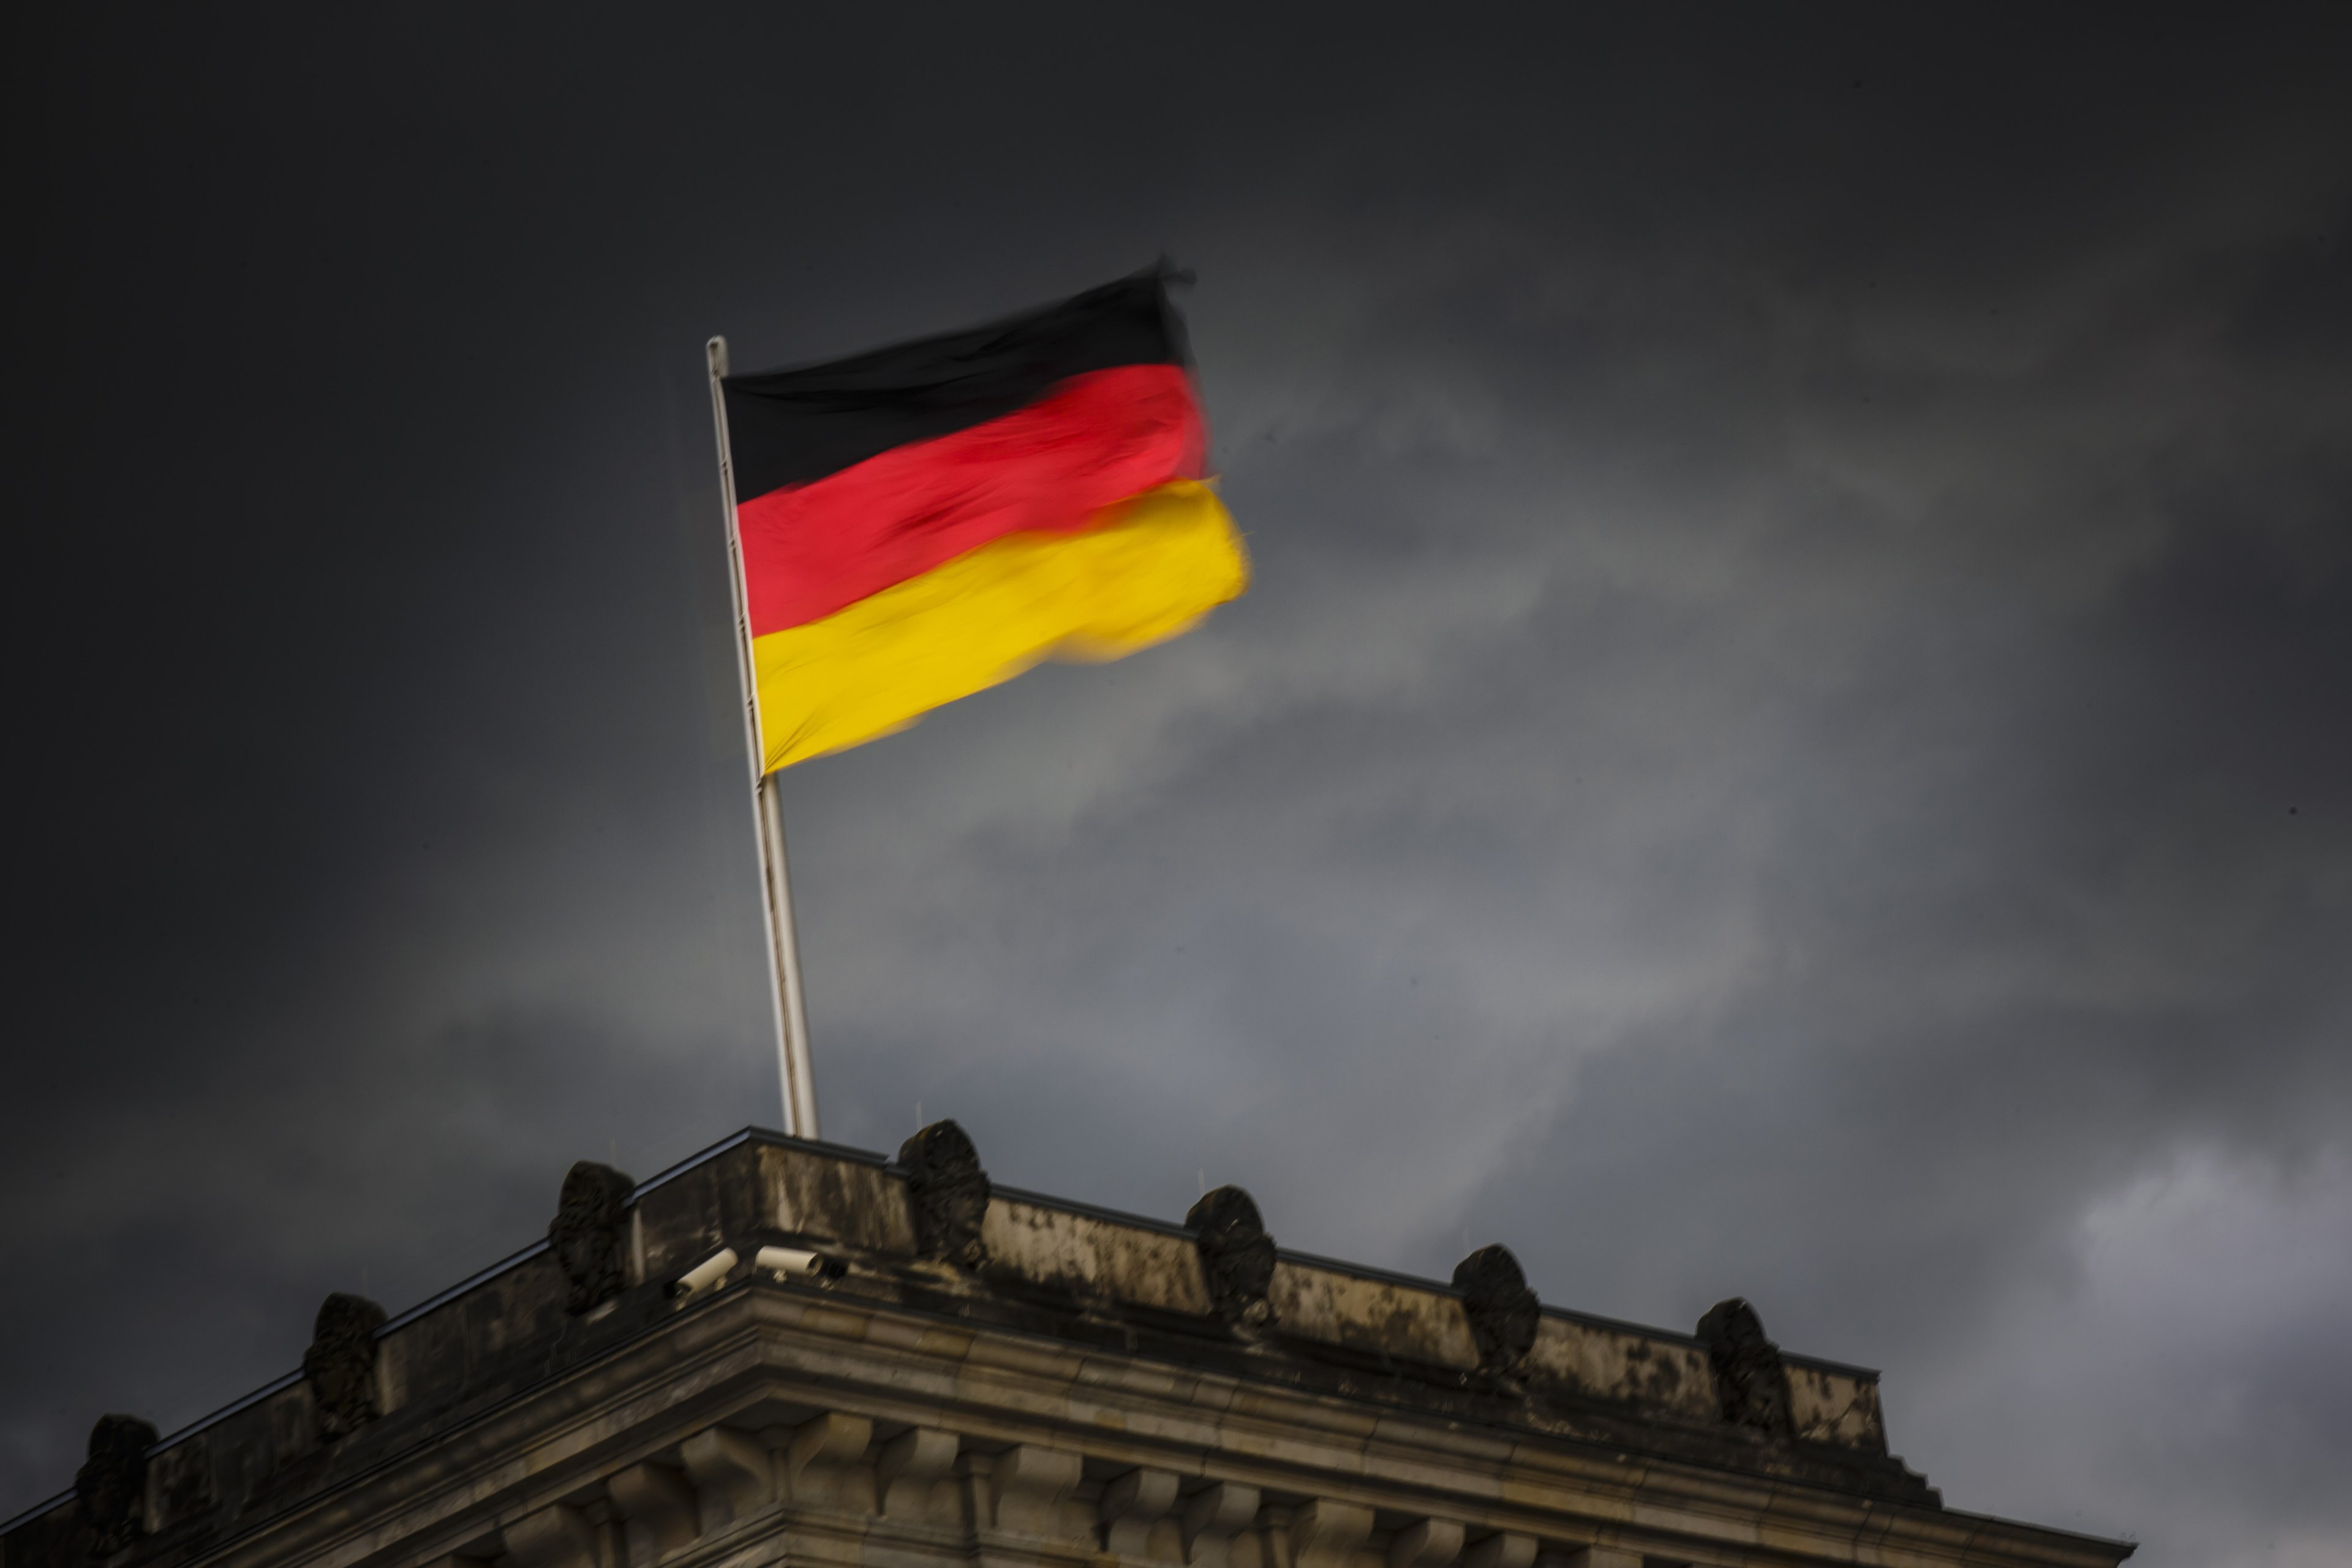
923,522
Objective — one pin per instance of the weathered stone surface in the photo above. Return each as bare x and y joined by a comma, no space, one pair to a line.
832,1438
556,1537
1236,1255
732,1475
1078,1394
1501,1549
179,1485
340,1365
1132,1505
1095,1255
1750,1383
1213,1517
909,1468
1425,1543
1027,1484
589,1235
1619,1363
657,1507
111,1488
1840,1410
1504,1313
1325,1532
1600,1557
949,1191
1378,1317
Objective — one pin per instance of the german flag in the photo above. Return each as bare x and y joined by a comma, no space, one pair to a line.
923,522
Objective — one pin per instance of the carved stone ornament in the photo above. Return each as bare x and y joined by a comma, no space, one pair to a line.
110,1487
950,1194
587,1234
340,1365
1749,1380
1503,1311
1236,1256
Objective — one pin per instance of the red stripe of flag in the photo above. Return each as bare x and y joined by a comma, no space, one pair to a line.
1097,439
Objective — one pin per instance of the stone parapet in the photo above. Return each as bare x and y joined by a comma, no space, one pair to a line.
778,1350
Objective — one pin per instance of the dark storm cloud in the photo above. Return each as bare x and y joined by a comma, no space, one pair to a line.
1788,738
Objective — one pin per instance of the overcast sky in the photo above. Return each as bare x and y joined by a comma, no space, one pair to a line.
1791,736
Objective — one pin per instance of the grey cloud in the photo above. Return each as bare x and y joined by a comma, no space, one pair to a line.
1791,619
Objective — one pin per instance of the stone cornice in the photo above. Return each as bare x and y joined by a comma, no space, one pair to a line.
1051,1382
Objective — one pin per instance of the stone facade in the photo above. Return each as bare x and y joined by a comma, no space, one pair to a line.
791,1351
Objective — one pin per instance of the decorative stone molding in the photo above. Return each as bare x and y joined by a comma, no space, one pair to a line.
1212,1518
110,1487
1503,1312
830,1439
555,1537
911,1464
1132,1505
339,1365
657,1507
1432,1543
1750,1383
587,1235
948,1191
1028,1485
1327,1534
732,1475
1503,1549
1236,1256
1596,1557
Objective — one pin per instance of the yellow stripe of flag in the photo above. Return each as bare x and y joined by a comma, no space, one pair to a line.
1158,564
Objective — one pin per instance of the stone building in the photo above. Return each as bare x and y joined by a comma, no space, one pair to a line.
793,1351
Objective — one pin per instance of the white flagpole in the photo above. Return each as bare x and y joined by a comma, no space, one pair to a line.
797,1070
